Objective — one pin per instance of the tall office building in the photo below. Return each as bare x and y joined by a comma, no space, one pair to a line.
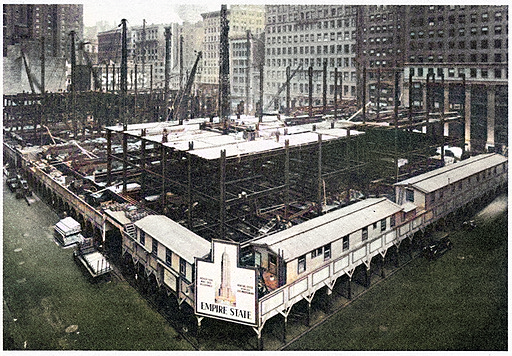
460,54
455,57
29,23
303,36
241,19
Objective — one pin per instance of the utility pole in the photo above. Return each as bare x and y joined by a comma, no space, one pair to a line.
167,70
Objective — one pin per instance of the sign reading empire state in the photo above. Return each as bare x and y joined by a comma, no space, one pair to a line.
223,289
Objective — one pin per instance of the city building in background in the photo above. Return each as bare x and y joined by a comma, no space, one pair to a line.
25,29
242,18
303,36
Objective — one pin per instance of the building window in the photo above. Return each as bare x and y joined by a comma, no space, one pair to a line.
327,252
154,247
484,73
484,44
316,253
345,243
142,238
168,257
409,195
383,225
183,267
364,233
392,221
497,73
301,264
497,43
497,30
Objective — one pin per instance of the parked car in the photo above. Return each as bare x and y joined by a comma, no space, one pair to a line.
436,248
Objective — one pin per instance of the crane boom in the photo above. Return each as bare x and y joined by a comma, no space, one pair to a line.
282,87
31,79
183,95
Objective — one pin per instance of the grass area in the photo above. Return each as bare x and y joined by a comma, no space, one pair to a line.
458,302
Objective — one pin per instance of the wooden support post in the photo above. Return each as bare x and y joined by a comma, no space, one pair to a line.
368,279
198,332
328,302
308,316
382,271
285,322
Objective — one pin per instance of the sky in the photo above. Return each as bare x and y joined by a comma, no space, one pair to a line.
153,11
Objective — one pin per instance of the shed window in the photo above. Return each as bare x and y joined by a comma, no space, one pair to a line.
392,221
316,252
142,238
183,267
409,195
154,247
364,233
383,225
345,243
327,252
301,265
168,257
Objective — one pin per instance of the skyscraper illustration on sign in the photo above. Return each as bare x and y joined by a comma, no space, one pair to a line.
225,294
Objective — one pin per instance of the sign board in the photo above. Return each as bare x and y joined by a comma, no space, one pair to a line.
224,290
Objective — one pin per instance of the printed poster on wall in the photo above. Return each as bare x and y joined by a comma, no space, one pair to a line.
223,289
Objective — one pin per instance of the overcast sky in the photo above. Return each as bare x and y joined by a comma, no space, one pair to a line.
153,11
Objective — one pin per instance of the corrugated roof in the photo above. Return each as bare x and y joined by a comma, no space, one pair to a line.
172,235
301,239
436,179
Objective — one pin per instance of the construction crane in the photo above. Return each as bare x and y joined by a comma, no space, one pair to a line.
97,83
282,87
181,100
31,78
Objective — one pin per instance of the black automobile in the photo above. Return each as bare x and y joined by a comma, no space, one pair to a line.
436,248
